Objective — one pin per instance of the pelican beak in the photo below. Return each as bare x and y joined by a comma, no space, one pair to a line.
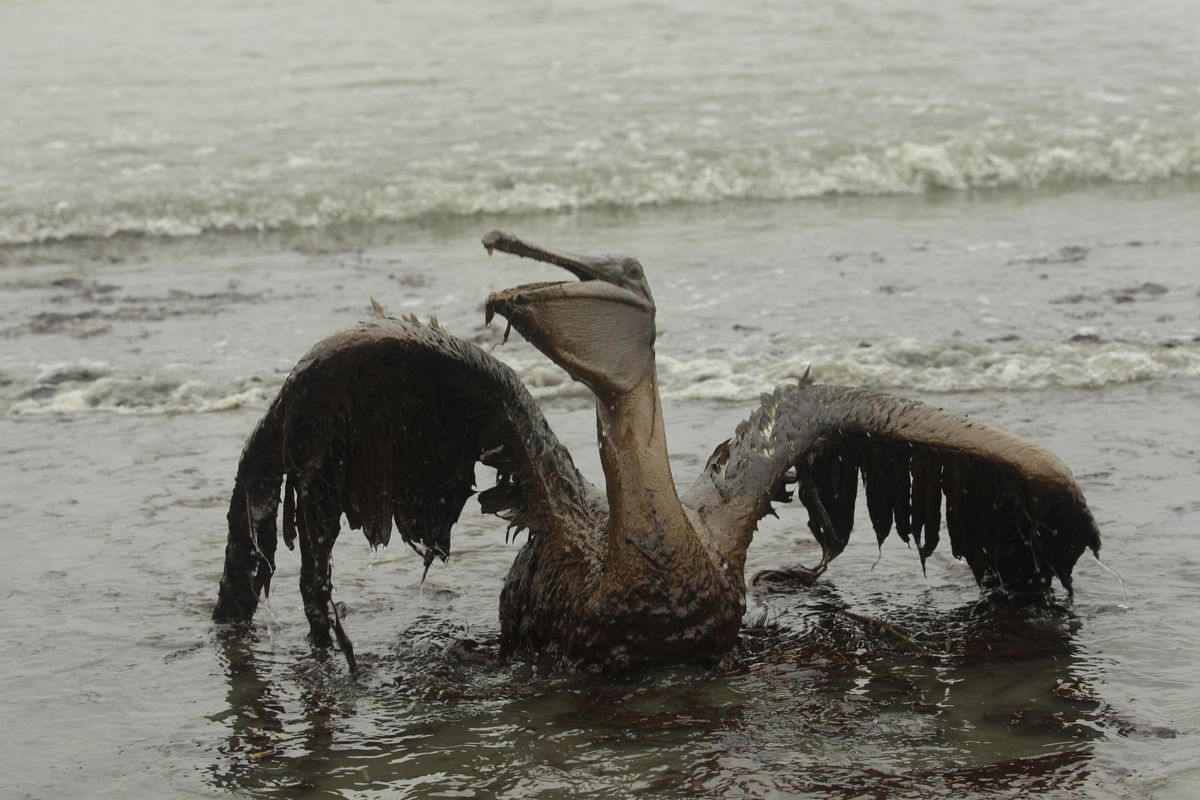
598,329
582,267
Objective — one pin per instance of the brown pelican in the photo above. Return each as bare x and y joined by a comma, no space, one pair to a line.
384,421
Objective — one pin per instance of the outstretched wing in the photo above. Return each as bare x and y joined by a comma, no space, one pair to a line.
1012,509
384,421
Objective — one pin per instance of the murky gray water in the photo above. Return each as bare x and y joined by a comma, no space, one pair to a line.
118,458
992,208
170,117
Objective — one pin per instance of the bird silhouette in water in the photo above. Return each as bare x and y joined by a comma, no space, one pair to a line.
383,422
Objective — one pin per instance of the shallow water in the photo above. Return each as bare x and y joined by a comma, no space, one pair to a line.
169,118
124,419
989,207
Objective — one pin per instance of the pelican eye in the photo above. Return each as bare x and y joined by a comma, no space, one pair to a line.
633,270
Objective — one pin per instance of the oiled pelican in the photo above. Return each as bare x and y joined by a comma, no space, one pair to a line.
385,421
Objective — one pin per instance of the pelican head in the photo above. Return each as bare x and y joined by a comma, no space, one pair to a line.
600,329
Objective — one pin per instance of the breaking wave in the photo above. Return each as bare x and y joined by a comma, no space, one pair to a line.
898,365
289,196
97,387
901,364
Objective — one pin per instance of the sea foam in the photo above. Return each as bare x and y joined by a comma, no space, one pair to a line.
288,197
896,365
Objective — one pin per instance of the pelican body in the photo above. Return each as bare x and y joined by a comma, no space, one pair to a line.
383,423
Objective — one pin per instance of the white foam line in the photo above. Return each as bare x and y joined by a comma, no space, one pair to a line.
668,176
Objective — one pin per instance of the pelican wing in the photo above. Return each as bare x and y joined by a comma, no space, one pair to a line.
1012,509
383,422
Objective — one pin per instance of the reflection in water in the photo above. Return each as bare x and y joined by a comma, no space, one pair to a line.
254,714
980,699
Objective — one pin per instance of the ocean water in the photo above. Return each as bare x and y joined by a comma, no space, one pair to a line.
990,207
168,118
